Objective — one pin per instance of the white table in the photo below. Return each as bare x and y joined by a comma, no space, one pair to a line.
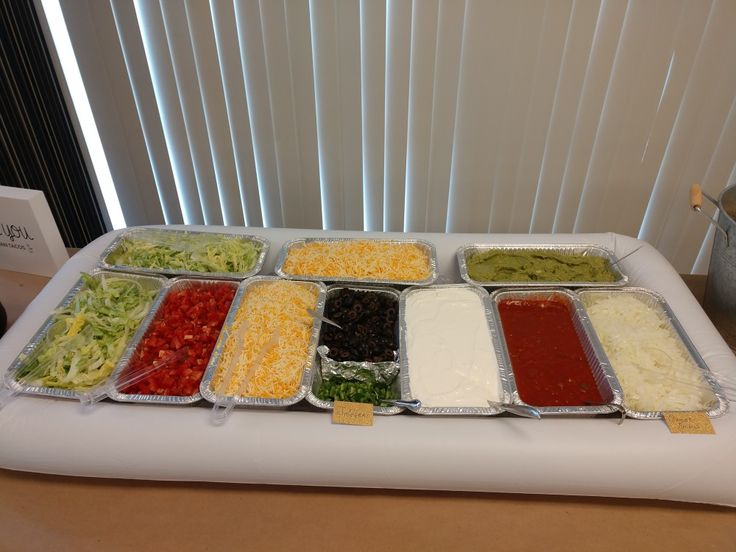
589,457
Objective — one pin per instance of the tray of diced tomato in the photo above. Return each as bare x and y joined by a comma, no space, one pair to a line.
173,347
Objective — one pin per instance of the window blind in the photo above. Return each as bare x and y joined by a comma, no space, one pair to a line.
431,115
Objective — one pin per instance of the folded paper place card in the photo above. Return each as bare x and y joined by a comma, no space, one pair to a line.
29,239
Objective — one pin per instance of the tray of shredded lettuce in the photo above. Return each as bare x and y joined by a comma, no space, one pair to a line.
185,253
81,342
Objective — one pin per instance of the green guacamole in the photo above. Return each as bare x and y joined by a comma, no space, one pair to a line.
537,266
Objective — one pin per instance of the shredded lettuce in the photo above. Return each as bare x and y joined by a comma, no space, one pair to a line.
191,252
87,337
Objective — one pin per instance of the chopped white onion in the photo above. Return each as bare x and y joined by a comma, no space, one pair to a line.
655,370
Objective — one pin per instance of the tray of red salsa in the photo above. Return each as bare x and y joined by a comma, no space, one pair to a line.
557,364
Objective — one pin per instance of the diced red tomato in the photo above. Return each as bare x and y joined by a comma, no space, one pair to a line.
190,317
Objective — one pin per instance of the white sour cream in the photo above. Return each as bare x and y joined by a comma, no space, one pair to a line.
451,358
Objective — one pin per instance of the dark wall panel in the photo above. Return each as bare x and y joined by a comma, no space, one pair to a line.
38,147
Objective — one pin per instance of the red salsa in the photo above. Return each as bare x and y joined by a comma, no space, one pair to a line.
547,358
189,318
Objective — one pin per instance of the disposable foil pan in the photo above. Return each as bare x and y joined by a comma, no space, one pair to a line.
660,306
152,234
603,375
428,248
316,381
176,284
309,361
576,249
493,336
152,282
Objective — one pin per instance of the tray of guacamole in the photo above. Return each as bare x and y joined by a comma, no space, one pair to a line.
539,265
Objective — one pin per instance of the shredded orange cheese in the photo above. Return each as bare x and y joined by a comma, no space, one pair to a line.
372,259
268,341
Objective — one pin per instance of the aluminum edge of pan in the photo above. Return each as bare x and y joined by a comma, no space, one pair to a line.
171,272
313,399
570,249
428,246
40,334
505,382
596,357
172,285
659,303
204,386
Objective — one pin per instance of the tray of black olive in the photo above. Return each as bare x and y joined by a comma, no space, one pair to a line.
359,360
368,319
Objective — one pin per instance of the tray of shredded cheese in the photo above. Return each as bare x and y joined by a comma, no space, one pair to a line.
185,253
378,261
266,350
658,367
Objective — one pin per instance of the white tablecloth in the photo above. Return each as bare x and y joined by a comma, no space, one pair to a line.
583,456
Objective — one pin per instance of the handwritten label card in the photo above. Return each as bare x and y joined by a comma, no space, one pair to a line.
696,423
29,239
351,413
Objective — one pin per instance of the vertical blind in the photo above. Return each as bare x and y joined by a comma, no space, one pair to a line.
431,115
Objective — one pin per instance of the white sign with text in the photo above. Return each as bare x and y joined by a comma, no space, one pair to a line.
29,238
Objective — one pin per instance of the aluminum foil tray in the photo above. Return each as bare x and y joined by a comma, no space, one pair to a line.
659,305
316,381
591,250
604,376
428,247
153,282
309,362
154,234
172,285
493,336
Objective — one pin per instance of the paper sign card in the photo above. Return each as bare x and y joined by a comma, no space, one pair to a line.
696,423
29,239
351,413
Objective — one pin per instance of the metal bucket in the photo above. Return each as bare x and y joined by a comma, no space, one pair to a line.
720,288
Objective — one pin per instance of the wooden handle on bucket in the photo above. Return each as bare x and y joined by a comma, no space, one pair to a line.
696,197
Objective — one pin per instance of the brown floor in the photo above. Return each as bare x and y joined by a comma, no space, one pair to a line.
62,513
